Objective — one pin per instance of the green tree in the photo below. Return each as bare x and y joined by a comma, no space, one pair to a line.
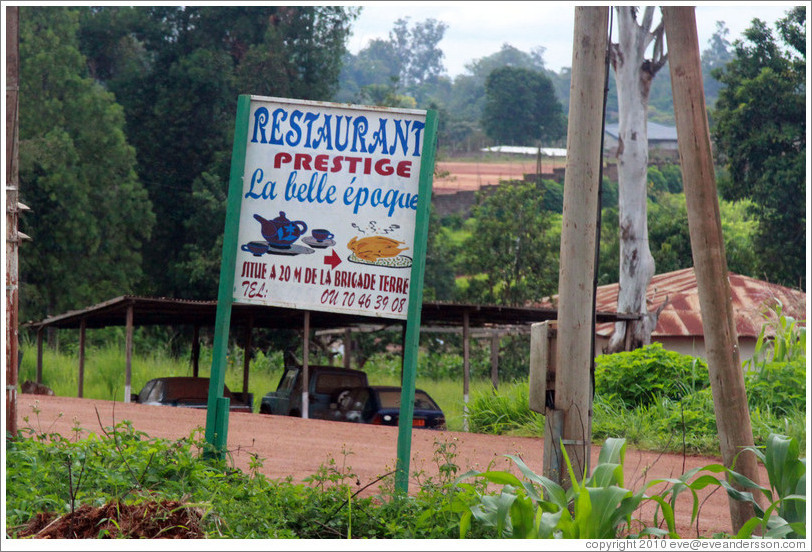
178,71
760,137
439,274
90,215
671,242
465,97
521,107
512,254
408,63
421,60
715,56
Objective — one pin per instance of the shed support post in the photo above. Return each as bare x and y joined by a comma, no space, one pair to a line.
573,393
81,391
306,367
246,361
466,367
40,331
495,359
708,250
196,351
128,353
347,347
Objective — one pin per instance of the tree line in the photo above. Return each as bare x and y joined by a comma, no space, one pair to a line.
126,116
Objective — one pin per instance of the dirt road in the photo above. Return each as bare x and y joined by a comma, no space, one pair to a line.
296,448
467,176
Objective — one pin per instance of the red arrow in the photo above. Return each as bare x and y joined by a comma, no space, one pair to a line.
332,259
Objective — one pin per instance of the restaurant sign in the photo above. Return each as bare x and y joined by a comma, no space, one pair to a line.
328,207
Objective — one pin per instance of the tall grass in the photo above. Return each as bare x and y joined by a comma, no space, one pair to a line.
664,424
105,369
105,375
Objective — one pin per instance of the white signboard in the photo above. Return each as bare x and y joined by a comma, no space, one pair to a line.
328,210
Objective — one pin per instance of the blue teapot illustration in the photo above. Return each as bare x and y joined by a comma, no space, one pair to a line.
281,232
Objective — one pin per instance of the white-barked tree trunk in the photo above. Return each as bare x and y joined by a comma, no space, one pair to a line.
633,76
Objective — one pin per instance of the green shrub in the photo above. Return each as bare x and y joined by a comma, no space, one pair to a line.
637,377
777,386
776,375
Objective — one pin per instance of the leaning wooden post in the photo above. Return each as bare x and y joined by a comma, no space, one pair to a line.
708,250
129,355
81,391
13,235
573,393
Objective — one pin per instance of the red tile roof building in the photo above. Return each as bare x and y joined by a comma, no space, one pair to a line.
679,327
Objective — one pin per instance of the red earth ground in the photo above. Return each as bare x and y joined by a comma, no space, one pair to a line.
297,448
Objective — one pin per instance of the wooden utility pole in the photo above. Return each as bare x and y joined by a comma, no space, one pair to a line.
708,249
573,391
12,213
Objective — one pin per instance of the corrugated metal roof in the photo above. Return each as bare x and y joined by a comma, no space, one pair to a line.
654,131
166,311
682,316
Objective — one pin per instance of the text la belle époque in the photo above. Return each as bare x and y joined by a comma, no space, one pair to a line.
344,144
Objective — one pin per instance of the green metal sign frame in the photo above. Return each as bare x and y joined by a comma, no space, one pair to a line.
217,411
218,406
412,340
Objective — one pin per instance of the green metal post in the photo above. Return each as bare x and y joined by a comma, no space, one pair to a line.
220,437
216,419
412,341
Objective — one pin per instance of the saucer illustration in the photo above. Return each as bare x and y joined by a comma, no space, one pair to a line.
313,242
294,249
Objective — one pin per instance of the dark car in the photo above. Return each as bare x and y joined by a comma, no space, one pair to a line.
326,382
380,405
188,392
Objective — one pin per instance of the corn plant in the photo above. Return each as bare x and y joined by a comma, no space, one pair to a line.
787,342
537,507
785,517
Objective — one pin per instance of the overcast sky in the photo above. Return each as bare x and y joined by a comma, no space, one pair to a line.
479,28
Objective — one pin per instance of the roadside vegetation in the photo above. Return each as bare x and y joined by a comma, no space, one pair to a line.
654,398
121,483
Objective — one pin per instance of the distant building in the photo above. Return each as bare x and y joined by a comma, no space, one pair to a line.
662,140
528,150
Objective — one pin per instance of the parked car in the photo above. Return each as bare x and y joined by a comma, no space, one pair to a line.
380,405
326,383
188,392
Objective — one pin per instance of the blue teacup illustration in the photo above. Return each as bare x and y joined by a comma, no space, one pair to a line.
320,234
255,247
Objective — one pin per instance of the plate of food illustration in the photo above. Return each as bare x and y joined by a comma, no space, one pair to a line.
399,261
378,251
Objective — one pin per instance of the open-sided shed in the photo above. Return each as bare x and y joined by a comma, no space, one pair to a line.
131,311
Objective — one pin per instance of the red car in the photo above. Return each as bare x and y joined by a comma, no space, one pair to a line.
188,392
